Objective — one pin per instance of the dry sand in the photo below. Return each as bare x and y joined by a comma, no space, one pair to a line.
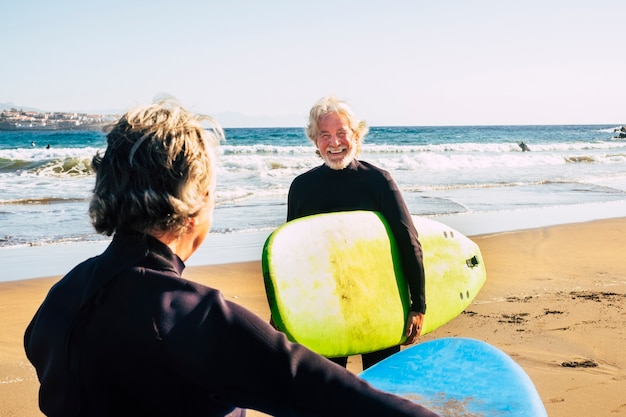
554,301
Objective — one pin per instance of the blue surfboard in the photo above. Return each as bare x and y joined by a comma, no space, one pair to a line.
460,377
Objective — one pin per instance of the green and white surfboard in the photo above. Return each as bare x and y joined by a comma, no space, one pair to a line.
334,281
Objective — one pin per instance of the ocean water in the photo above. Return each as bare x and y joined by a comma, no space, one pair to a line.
462,173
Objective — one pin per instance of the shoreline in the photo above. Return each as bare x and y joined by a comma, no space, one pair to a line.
554,300
57,259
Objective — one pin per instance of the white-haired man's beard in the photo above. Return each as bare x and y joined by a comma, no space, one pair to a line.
338,158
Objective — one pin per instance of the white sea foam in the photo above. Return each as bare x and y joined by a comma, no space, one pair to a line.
44,193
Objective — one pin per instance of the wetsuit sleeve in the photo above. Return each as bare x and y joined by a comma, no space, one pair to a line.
394,209
260,369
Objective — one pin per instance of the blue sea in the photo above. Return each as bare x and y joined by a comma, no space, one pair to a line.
475,178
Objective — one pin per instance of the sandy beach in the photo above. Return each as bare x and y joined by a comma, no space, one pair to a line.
554,301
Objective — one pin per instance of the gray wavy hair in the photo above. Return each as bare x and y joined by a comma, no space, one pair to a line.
156,171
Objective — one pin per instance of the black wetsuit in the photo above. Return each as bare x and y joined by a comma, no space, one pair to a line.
124,335
363,186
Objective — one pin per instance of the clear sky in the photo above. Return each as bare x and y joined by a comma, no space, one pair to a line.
412,62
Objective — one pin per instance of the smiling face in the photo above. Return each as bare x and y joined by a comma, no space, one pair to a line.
336,142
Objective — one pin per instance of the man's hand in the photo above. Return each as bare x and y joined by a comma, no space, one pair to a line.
414,326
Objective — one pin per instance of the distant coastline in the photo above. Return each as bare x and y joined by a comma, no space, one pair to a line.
24,120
